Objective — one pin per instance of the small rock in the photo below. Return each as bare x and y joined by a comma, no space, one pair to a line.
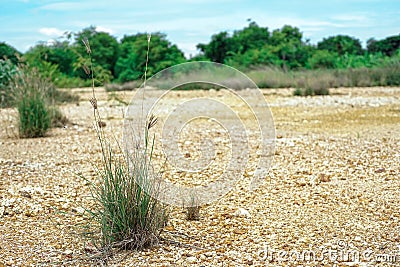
242,213
68,252
102,124
25,194
302,182
324,178
191,259
78,210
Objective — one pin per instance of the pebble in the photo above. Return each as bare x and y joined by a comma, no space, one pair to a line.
191,259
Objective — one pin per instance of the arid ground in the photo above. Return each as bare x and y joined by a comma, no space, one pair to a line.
331,195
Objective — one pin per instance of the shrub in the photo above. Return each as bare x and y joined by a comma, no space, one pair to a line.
34,118
7,72
126,208
298,92
321,91
32,95
322,59
29,94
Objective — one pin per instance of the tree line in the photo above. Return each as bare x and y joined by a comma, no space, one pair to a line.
251,47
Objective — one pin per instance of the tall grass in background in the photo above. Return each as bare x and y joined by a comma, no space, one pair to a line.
126,213
34,98
271,77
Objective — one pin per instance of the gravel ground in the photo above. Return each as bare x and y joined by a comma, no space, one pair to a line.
331,196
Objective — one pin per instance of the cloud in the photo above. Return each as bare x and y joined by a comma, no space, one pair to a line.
104,29
51,32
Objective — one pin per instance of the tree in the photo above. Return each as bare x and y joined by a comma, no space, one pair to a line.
8,52
287,45
105,48
59,54
132,61
341,44
251,37
322,59
387,46
218,48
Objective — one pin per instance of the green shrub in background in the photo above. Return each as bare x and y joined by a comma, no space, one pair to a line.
34,97
322,59
7,72
34,117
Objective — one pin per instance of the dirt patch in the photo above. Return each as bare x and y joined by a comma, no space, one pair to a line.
333,185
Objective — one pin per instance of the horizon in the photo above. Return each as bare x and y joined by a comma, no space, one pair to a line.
187,25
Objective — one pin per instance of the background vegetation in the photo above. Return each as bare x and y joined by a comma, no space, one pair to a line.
277,58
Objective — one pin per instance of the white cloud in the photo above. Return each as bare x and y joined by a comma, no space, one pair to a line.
104,29
51,32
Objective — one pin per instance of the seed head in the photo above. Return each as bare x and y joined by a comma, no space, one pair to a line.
93,101
87,45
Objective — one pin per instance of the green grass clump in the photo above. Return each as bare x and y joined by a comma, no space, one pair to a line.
126,208
126,212
29,95
34,97
34,117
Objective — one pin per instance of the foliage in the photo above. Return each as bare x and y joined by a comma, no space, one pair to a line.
7,72
251,48
250,37
126,208
322,59
105,51
128,214
8,52
29,97
34,118
131,64
218,48
341,44
388,46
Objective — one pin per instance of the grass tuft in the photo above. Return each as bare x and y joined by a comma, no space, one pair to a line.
34,117
126,211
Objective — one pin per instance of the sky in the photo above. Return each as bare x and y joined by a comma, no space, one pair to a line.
186,23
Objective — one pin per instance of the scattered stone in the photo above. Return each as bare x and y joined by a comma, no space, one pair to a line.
242,213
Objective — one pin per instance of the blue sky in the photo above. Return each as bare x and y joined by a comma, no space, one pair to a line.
189,22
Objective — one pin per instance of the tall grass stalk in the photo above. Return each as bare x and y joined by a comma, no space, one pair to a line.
126,211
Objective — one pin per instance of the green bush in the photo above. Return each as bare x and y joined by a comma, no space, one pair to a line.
126,206
298,92
7,72
34,117
309,91
322,59
31,95
126,212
